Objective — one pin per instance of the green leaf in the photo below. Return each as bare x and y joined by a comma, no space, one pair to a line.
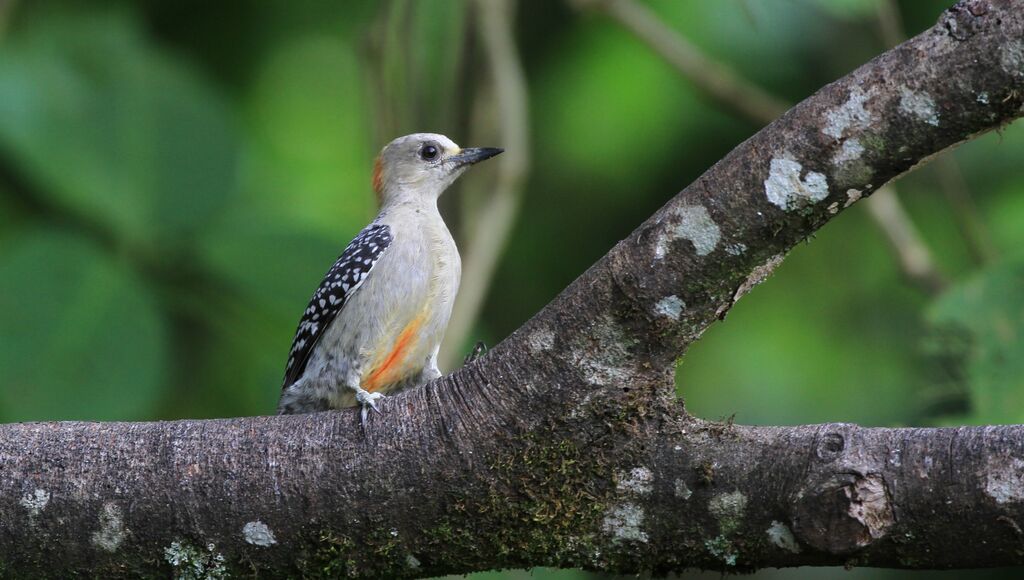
79,336
989,310
105,125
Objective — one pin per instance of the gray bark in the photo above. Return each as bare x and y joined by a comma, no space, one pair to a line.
564,446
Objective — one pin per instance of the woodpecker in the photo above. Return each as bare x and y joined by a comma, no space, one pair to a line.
375,323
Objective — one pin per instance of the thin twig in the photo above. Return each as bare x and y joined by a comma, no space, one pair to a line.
756,104
489,227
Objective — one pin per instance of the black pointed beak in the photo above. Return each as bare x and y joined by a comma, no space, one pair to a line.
471,155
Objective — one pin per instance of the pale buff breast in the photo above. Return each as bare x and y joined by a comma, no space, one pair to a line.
423,290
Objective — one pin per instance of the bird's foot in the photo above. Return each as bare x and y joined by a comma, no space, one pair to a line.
367,401
477,352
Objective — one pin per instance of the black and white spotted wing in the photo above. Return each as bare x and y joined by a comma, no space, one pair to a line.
341,281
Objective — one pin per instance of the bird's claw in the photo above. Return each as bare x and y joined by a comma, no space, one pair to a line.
368,401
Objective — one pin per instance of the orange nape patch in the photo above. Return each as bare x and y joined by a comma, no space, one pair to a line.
392,367
378,180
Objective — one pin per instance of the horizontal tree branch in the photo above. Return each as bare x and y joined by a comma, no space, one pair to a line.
648,489
564,446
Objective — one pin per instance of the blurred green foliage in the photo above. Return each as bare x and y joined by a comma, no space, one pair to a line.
175,178
983,320
83,319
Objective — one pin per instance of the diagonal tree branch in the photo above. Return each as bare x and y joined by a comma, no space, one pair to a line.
563,446
722,84
951,180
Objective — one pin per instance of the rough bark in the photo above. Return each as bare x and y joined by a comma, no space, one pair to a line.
564,446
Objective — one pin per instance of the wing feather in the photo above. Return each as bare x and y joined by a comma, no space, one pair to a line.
339,284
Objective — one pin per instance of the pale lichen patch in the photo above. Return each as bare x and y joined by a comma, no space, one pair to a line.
638,480
540,340
412,562
1011,57
681,490
788,190
728,509
851,150
613,364
690,222
258,534
850,115
191,563
833,208
597,373
896,457
919,105
670,307
35,502
112,531
925,469
1004,479
852,195
736,249
720,547
782,537
624,523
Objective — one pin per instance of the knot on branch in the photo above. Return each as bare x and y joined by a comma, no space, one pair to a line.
844,513
830,446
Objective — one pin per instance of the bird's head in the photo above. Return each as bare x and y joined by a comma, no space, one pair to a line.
421,166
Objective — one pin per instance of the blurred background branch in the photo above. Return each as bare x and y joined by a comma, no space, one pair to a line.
723,85
712,77
5,13
914,257
488,222
416,59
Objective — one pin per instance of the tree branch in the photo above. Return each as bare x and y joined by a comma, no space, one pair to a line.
563,446
951,180
746,98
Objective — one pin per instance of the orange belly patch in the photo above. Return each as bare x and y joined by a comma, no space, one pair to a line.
391,366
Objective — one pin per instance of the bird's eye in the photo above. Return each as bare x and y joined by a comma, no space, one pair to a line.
429,152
